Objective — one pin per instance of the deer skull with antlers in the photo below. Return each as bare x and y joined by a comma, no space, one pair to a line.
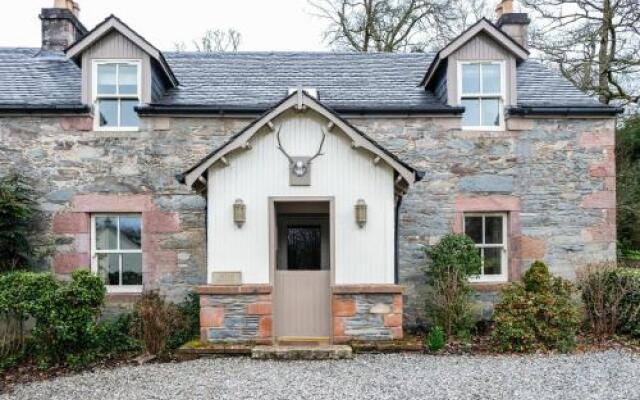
299,166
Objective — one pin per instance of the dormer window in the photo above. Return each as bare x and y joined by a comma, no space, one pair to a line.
116,88
481,93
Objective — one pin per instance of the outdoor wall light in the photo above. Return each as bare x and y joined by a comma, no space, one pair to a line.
361,213
239,213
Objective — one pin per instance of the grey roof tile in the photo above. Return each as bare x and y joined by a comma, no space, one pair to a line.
260,79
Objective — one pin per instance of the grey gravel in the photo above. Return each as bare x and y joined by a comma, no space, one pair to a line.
602,375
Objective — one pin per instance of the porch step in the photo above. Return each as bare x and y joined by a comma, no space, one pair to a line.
319,341
325,352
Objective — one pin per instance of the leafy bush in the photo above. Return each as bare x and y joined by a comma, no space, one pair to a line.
630,304
113,337
602,294
189,312
157,321
436,339
537,314
65,313
18,216
628,186
454,259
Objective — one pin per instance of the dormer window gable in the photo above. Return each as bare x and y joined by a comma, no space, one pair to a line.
477,70
120,71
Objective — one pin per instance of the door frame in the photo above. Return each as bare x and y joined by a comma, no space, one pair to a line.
273,224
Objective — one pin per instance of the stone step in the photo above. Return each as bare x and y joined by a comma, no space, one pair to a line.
327,352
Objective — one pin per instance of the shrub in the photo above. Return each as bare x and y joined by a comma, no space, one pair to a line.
18,216
454,259
611,298
537,314
113,337
156,322
65,313
630,304
436,339
189,312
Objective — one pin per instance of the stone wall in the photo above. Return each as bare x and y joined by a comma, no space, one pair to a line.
236,314
559,172
77,171
366,312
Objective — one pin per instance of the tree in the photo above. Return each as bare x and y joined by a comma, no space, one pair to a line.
595,44
628,183
215,40
18,222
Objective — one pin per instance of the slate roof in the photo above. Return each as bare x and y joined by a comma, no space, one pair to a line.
346,82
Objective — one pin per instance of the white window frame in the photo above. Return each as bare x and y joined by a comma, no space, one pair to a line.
504,275
96,96
502,97
95,252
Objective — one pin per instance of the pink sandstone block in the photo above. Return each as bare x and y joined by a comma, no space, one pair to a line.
112,203
606,199
77,124
487,203
212,317
160,222
593,140
71,222
65,263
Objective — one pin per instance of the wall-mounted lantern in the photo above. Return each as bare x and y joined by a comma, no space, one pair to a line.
361,213
239,213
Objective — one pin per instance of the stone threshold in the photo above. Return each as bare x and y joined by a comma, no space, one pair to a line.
323,352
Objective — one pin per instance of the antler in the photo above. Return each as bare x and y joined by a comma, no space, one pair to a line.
282,148
324,135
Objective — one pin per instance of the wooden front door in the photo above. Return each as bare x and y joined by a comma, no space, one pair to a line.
302,277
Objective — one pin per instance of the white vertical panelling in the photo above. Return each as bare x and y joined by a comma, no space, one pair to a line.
361,255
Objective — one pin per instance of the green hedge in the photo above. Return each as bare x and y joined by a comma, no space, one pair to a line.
630,305
65,313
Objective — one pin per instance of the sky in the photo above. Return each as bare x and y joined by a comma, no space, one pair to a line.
264,24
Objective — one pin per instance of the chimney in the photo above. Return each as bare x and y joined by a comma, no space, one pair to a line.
513,24
60,25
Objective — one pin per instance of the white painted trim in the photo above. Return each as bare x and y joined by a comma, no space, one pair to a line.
95,252
502,96
114,24
504,275
95,96
496,34
293,102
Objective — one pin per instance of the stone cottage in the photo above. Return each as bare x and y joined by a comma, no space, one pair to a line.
296,191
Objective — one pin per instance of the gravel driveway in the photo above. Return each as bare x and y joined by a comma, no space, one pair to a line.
606,375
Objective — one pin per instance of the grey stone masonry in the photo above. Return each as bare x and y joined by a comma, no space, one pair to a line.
555,177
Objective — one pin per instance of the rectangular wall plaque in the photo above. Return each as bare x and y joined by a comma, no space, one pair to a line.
226,278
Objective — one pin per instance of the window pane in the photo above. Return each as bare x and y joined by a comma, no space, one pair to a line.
470,78
491,78
490,112
130,233
106,78
132,269
303,247
108,112
108,268
471,115
473,228
128,116
492,261
106,233
128,79
493,230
